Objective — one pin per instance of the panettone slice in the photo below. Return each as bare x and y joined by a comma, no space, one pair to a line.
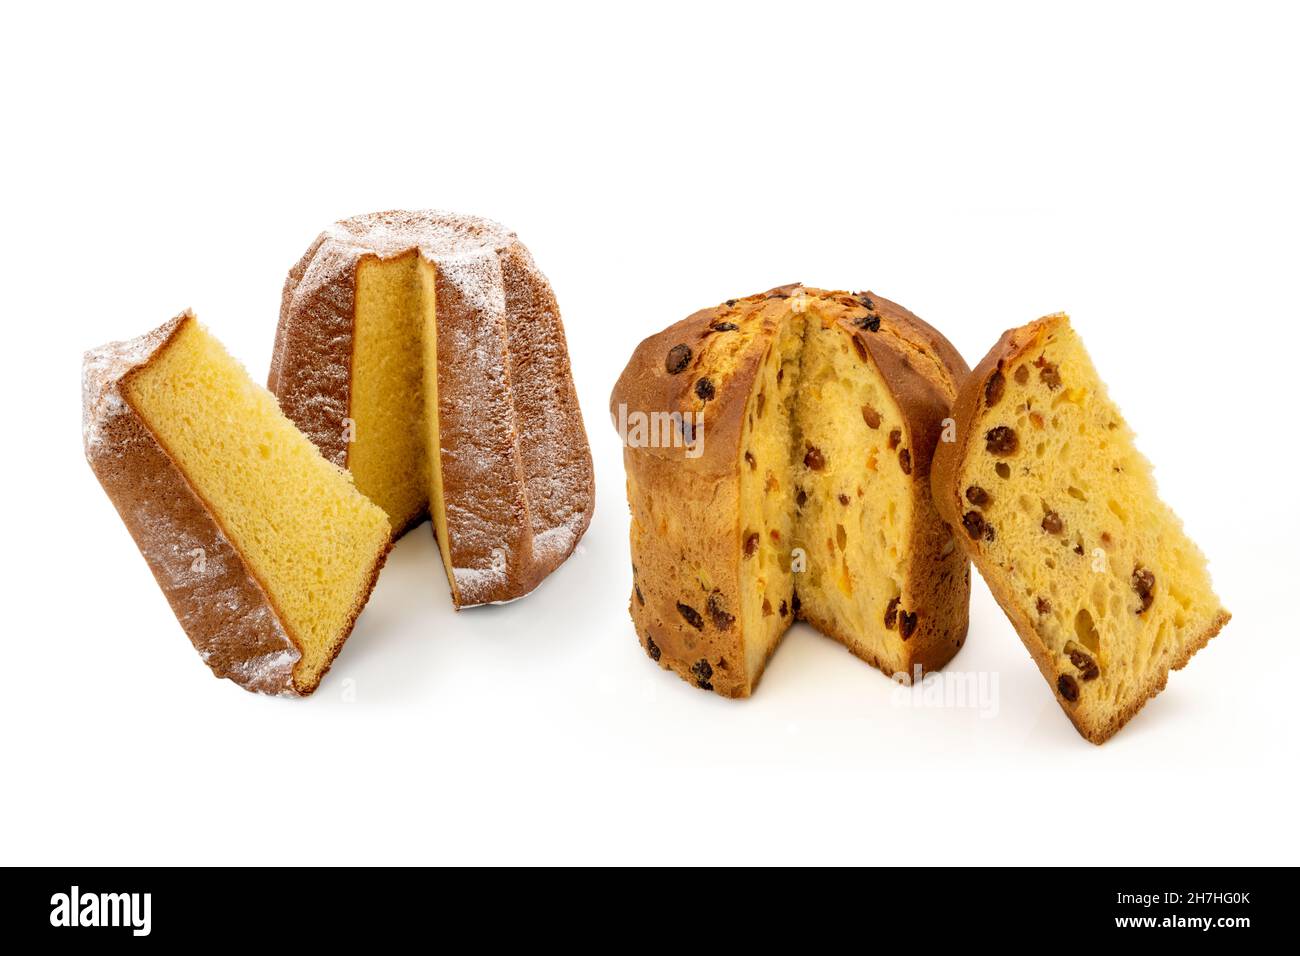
1059,512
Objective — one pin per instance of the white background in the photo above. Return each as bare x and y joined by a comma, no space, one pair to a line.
1135,165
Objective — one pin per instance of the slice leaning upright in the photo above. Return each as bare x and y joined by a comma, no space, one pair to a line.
1059,512
266,551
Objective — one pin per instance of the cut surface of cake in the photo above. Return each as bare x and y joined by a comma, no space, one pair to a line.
778,450
1059,512
424,352
265,551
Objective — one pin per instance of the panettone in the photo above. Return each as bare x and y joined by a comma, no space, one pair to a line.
1059,512
778,454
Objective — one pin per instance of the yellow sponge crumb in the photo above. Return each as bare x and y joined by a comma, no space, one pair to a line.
308,537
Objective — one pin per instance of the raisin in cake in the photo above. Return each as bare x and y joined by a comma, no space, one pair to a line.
1060,514
778,456
423,351
265,550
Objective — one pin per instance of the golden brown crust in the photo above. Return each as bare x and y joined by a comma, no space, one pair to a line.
226,612
937,358
949,459
685,523
670,605
516,467
686,510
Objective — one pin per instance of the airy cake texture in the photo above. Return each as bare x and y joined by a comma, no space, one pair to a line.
798,486
1060,513
266,551
424,352
389,455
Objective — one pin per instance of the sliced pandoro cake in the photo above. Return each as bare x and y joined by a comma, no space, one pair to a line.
423,351
266,551
1060,514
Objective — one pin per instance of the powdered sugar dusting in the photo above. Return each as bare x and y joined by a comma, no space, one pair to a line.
437,235
477,277
269,671
554,543
102,370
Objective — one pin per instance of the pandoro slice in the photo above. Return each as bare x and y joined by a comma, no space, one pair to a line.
266,551
1059,512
